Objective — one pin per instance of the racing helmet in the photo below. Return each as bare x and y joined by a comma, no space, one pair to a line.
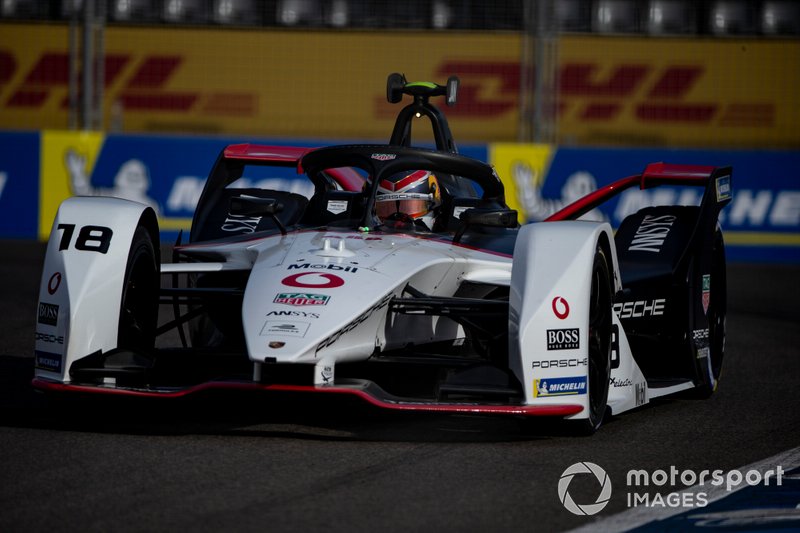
408,198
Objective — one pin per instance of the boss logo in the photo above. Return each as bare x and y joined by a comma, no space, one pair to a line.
48,314
563,339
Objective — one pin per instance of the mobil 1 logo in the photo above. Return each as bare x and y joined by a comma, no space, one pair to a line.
563,339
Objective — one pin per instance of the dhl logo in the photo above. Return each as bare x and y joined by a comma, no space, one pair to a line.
593,92
589,92
144,82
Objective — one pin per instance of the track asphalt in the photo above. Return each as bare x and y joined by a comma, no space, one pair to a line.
251,463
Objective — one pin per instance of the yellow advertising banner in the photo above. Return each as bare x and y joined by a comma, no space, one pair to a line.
67,160
326,85
522,168
681,92
331,85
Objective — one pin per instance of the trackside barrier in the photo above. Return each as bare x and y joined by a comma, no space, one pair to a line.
40,169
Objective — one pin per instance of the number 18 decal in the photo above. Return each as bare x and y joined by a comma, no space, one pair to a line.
90,238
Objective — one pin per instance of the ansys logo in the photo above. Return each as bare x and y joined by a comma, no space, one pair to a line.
602,498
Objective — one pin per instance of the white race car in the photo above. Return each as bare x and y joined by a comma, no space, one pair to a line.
404,280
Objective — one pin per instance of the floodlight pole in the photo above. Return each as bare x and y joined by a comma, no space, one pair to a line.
87,93
539,74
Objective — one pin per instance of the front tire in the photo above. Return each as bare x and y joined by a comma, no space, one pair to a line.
138,314
600,332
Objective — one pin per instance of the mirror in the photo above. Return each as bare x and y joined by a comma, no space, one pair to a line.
252,206
496,218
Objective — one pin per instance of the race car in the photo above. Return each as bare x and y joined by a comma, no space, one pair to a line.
404,280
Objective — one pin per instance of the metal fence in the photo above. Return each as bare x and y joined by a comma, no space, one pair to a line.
652,17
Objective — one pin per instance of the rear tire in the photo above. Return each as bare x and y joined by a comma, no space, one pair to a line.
711,368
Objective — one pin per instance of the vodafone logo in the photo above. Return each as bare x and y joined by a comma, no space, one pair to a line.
313,280
54,283
560,307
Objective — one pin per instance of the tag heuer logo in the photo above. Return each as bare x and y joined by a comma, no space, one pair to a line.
301,298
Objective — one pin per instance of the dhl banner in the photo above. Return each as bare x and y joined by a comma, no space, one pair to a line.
331,84
680,92
762,222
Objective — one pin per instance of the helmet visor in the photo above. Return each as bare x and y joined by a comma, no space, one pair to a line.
414,207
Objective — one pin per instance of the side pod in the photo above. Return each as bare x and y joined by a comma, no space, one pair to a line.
82,280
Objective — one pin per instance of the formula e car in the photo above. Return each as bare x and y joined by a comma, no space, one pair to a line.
335,294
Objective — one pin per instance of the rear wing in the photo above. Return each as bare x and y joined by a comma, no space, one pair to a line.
716,180
276,155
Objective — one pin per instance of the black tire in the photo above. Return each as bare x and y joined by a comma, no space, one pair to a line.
600,332
710,371
138,315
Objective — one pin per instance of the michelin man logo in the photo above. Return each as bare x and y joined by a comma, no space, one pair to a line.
585,509
131,182
536,207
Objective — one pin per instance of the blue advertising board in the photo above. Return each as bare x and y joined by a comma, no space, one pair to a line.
169,172
19,185
762,222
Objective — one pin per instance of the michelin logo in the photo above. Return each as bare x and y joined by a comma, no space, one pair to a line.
559,386
131,182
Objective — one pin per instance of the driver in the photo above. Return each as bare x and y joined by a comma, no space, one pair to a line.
408,199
